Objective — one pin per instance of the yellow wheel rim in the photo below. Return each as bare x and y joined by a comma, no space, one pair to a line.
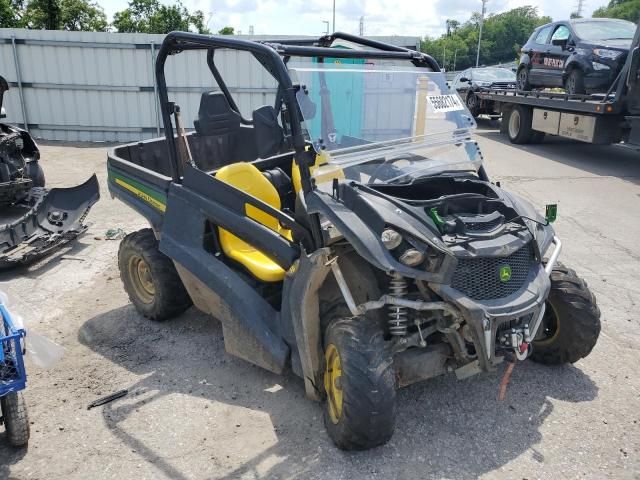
554,327
141,278
333,382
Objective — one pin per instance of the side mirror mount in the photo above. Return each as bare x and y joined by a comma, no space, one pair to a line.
465,80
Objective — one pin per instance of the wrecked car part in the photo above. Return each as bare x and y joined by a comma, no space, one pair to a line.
34,221
19,155
45,221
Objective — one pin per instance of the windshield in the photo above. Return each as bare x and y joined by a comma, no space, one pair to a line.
605,30
379,123
493,75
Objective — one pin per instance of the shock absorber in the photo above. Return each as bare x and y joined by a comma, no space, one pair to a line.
398,315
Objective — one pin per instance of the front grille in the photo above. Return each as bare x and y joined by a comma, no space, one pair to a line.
479,278
483,226
504,84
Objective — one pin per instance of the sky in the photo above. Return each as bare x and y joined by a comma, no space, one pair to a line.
381,17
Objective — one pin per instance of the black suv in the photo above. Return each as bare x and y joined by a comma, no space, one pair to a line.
581,55
473,80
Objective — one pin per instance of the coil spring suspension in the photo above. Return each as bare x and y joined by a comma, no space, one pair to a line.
398,315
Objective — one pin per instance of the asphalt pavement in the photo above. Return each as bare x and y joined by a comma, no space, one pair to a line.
195,412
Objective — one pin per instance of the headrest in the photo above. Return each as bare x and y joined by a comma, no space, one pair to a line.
268,133
215,116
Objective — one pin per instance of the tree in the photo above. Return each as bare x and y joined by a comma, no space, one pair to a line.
11,13
452,26
226,31
624,9
149,16
41,14
82,15
53,15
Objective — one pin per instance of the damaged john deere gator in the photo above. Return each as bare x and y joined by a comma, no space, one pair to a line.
34,221
348,229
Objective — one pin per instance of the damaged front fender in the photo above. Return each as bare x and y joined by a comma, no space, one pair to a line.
44,221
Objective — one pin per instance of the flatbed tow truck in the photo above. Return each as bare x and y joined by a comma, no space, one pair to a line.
612,117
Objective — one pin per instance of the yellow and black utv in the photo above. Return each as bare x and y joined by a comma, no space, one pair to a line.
347,229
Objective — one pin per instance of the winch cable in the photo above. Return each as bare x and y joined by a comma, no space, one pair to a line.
506,377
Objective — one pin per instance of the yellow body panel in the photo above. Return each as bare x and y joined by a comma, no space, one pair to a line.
320,170
247,177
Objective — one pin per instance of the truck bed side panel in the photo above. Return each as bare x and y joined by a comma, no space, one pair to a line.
142,189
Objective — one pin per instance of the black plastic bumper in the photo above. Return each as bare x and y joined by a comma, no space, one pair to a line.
486,317
45,221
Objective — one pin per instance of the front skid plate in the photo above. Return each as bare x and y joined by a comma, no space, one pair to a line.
46,220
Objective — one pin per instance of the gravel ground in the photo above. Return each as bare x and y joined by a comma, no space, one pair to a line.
195,412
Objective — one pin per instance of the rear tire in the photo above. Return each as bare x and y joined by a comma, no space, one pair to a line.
519,125
571,324
574,84
360,385
522,79
16,419
150,278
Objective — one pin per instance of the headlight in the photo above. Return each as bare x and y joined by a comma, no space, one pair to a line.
412,257
605,53
599,66
390,238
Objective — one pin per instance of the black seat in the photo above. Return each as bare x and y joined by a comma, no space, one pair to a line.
218,128
215,116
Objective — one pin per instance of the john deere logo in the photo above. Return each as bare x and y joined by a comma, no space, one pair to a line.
505,273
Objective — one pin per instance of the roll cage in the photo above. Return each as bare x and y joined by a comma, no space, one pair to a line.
273,55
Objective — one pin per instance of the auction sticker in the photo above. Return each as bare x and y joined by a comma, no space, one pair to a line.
444,103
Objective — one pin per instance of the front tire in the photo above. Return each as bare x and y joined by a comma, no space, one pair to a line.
574,84
150,278
16,419
571,323
360,385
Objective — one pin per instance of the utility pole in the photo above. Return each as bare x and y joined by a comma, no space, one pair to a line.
455,57
334,16
327,22
362,26
579,8
444,57
484,4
